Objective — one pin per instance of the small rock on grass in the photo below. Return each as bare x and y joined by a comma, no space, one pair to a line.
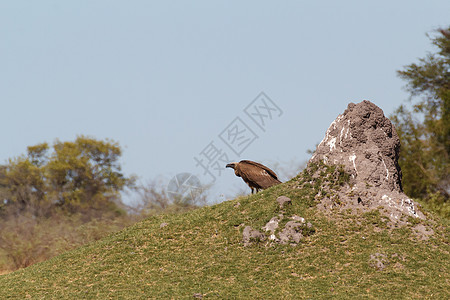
250,235
283,200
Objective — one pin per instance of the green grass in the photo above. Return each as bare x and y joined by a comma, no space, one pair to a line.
201,251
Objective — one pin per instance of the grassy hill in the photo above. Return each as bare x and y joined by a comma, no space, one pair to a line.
201,252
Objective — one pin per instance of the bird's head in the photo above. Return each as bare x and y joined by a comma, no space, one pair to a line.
231,165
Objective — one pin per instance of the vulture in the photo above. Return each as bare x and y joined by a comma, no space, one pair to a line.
256,175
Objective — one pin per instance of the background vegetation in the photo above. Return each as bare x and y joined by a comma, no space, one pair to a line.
424,127
57,198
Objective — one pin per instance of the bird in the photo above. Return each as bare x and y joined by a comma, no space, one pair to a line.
256,176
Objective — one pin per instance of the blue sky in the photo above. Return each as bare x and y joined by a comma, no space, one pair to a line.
165,78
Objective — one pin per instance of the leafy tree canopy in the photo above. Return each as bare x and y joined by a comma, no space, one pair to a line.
424,129
72,176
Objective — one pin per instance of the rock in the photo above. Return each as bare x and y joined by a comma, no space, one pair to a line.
283,200
272,225
198,295
291,233
163,225
298,219
274,238
249,235
365,142
378,261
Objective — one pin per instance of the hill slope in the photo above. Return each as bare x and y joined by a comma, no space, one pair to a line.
201,253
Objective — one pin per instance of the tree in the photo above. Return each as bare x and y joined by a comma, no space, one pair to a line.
424,131
59,197
74,176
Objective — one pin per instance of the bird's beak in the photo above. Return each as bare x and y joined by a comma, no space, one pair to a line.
230,166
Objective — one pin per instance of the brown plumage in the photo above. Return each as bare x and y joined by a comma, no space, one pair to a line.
256,175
